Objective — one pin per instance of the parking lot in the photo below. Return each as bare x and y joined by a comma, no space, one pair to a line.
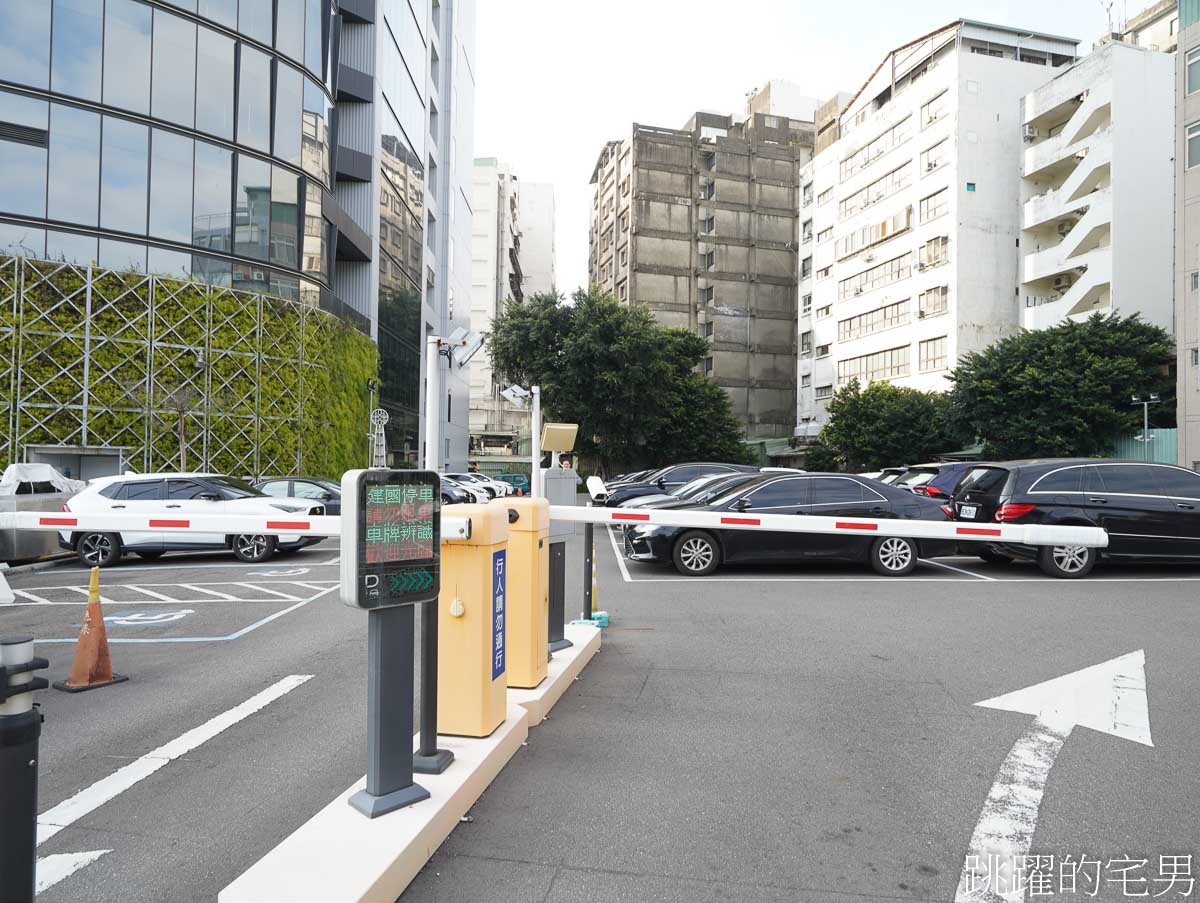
787,733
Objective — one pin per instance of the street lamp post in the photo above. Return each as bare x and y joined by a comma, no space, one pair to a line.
1152,399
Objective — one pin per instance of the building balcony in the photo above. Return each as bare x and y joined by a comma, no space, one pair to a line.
1089,293
1092,173
1065,244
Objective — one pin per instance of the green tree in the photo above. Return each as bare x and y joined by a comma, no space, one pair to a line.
629,383
1065,391
883,425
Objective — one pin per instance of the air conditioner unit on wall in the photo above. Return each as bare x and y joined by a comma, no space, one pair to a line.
1031,132
1065,226
1062,283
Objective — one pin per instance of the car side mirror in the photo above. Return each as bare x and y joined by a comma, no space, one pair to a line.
327,496
661,482
743,504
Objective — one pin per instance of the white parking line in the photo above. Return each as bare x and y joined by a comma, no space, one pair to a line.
270,592
34,599
211,592
620,558
91,798
951,567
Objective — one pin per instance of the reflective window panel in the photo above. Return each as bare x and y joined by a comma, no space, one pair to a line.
285,286
214,101
18,240
164,262
174,81
223,12
314,38
24,165
171,158
71,247
212,270
74,184
127,55
285,217
316,260
254,19
289,112
25,43
289,35
254,100
123,170
189,5
122,255
252,208
250,278
213,186
76,48
315,136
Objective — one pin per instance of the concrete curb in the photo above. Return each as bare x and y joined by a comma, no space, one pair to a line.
43,565
341,856
564,667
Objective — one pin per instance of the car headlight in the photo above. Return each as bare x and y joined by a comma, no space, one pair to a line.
647,532
290,509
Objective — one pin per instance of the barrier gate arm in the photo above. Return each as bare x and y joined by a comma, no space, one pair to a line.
453,526
1023,534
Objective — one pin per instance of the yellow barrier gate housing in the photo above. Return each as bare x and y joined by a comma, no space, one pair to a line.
528,633
472,622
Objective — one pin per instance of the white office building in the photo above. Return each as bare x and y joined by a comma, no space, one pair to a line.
910,219
538,257
1098,190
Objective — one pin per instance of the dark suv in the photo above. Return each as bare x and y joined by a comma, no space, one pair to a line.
1150,511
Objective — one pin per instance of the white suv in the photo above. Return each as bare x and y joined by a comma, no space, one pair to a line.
495,488
174,495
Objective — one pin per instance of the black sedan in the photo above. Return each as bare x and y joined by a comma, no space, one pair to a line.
455,495
668,478
696,552
313,488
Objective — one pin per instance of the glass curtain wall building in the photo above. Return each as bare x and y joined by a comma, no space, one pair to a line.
191,137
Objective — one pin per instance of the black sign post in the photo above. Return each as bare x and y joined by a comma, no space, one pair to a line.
390,561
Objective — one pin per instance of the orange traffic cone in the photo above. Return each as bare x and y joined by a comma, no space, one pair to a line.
91,667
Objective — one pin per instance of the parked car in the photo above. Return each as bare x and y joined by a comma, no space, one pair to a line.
701,489
887,475
1150,511
696,552
452,494
168,495
936,481
495,488
478,494
679,493
518,481
326,491
668,478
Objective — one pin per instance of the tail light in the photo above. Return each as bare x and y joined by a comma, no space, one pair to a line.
65,508
948,511
930,491
1013,510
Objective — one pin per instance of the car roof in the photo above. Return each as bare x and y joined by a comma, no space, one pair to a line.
1066,462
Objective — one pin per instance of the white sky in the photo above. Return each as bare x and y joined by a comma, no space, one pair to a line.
555,79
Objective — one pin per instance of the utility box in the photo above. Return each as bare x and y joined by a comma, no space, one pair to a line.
473,625
560,488
529,589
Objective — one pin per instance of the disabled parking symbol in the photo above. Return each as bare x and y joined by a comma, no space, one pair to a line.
146,618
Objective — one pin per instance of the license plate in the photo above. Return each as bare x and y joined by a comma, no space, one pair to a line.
968,511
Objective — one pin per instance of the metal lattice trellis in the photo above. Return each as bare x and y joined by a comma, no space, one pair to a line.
101,358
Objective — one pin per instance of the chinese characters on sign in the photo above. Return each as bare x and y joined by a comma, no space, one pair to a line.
399,523
1047,876
499,580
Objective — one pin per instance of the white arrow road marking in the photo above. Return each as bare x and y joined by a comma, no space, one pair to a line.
52,869
1110,698
91,798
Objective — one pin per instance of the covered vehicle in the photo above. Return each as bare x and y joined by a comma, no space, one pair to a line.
700,551
32,487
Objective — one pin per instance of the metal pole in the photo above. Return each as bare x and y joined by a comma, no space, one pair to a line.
589,530
433,395
20,728
371,429
1146,430
428,759
390,638
535,475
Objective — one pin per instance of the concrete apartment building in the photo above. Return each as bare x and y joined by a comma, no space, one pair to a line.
699,224
1187,232
909,218
1098,190
538,260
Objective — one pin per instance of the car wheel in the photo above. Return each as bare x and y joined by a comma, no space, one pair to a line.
150,556
253,548
894,556
696,554
1067,562
99,550
991,556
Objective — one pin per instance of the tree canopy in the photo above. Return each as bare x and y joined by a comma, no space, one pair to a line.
882,425
629,383
1066,390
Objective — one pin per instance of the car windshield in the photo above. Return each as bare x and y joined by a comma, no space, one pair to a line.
695,487
234,488
724,486
982,479
329,484
725,494
915,477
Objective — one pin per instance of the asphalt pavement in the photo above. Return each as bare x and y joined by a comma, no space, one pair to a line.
804,733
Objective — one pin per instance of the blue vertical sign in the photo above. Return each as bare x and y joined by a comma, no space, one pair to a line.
499,580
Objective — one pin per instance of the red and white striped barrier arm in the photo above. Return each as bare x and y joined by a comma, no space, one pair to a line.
453,526
1024,534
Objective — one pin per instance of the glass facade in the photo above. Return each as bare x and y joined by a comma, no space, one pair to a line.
236,156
